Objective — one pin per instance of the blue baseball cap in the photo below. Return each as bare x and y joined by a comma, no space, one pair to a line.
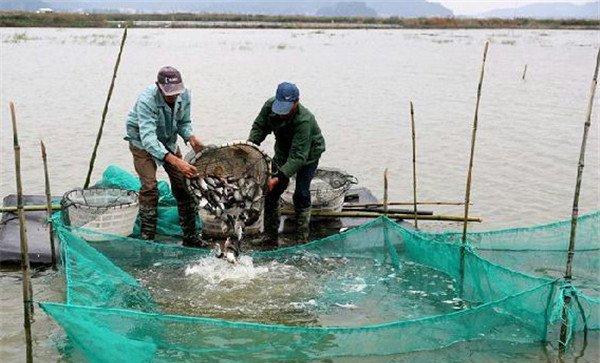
287,93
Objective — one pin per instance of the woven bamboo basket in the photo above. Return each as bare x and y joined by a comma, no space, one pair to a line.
236,159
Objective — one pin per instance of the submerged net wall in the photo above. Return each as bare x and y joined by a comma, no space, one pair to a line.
109,312
112,308
541,250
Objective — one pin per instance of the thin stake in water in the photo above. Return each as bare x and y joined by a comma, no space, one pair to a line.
385,191
575,210
48,202
414,160
104,112
470,172
27,291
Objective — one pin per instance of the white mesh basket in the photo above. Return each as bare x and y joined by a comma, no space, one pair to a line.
107,211
327,190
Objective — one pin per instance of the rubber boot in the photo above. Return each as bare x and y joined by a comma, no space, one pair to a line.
302,225
148,217
271,224
187,221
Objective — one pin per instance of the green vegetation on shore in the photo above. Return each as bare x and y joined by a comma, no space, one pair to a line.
201,20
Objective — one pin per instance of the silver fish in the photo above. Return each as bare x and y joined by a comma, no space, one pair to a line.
210,181
237,196
203,185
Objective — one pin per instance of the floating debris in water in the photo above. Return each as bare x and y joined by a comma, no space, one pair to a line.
302,304
358,285
418,292
457,303
346,306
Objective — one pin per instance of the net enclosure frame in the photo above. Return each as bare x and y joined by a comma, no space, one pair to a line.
108,312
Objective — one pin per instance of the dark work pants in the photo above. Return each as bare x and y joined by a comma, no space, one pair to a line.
301,198
146,167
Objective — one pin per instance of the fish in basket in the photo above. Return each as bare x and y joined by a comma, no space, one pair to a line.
230,190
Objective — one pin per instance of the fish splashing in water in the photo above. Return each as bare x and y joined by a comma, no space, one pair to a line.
216,270
235,202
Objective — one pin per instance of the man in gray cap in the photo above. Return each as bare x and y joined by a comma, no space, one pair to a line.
161,112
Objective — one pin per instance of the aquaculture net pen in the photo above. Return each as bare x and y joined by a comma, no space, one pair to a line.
110,310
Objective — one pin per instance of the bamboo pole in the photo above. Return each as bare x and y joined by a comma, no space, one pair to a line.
328,214
27,291
414,161
575,210
385,191
105,111
30,208
404,203
524,72
380,209
48,203
470,170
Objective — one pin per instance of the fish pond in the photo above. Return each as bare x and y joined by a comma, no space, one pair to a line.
358,83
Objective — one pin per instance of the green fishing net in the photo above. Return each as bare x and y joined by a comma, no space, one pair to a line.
374,290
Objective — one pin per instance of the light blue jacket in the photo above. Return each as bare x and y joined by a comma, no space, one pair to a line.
153,126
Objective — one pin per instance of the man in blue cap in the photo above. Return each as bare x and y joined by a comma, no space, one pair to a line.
161,114
298,147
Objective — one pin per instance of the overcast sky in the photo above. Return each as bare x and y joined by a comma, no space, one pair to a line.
470,7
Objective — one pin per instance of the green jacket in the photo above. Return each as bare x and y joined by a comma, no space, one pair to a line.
153,126
298,141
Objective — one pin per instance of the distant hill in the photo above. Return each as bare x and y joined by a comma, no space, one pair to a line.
547,11
400,8
347,9
409,9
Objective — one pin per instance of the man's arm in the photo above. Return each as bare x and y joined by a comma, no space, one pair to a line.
260,128
299,150
184,125
147,122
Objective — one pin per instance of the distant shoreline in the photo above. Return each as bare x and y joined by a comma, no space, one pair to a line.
244,21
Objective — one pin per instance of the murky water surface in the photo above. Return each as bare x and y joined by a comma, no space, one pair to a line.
358,84
303,289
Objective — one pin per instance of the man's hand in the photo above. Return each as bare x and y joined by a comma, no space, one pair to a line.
195,143
272,183
188,170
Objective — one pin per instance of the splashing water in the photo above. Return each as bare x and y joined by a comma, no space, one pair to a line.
217,270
